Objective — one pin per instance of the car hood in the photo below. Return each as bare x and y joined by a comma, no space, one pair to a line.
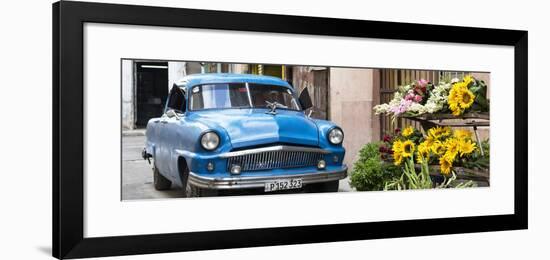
251,127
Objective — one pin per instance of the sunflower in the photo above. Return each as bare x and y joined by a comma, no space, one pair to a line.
460,98
454,97
397,148
408,149
451,148
423,147
429,141
446,131
407,131
438,148
423,152
466,98
468,79
466,147
462,134
439,132
445,164
433,133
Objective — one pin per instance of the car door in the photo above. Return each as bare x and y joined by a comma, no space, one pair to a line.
161,145
168,127
171,127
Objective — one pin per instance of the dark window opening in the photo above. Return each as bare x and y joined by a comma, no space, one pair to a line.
151,90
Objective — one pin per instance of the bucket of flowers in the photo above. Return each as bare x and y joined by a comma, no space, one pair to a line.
442,152
421,97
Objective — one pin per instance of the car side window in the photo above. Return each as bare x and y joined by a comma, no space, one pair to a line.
177,99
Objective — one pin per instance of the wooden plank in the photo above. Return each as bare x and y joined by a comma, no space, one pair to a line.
383,99
395,79
462,173
466,120
386,76
462,124
390,78
473,115
387,91
383,79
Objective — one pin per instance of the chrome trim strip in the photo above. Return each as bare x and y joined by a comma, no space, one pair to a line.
285,148
259,181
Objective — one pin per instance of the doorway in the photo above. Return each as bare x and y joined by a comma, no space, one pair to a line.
151,90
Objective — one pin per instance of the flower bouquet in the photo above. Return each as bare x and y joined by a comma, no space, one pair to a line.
414,152
423,97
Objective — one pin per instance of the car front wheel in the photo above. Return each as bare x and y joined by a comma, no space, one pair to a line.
194,191
160,182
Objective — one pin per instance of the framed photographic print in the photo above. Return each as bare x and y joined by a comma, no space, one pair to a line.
178,129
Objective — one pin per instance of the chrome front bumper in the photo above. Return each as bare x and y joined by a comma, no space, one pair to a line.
260,181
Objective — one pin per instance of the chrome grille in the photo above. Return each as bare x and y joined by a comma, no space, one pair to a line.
274,160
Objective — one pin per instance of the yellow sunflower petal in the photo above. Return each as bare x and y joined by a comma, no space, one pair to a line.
407,131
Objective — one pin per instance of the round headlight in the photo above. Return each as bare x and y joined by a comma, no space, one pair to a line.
336,136
210,141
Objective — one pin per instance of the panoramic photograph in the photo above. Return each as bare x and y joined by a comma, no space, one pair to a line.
209,129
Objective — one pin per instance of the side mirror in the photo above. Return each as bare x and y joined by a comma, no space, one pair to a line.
172,113
305,99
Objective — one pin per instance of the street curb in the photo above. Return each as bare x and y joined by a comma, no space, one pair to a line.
140,132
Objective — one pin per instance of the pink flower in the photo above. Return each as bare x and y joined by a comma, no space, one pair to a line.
422,82
402,107
420,86
417,98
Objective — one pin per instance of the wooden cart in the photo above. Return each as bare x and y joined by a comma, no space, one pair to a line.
473,120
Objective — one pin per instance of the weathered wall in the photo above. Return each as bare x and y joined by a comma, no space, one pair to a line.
315,79
351,101
176,71
239,68
128,95
484,132
485,76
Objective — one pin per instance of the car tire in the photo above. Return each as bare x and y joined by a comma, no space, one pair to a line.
192,191
330,186
160,182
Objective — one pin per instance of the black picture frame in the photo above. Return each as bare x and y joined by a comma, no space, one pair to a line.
68,157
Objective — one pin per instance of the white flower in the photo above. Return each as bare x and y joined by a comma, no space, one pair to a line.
417,108
436,101
381,109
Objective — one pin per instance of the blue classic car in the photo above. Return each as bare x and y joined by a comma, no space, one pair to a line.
236,131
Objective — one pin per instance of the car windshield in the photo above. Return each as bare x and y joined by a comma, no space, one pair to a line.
238,95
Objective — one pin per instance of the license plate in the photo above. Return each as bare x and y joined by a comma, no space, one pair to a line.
286,184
